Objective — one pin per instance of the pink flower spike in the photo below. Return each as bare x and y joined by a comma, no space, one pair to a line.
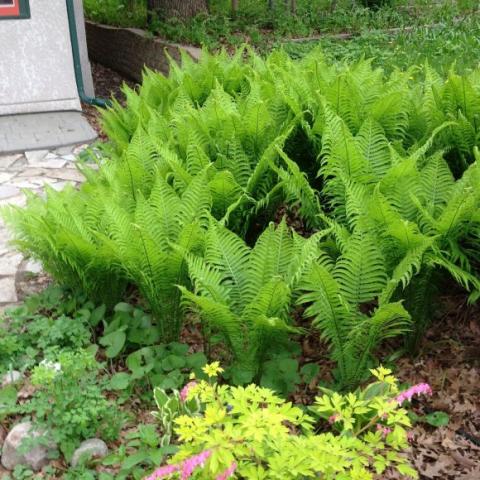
163,472
228,472
385,430
185,390
420,389
190,464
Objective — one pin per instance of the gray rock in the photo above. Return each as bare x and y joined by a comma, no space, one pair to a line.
92,448
8,160
36,458
64,150
67,174
9,263
5,177
19,200
19,164
14,376
48,163
32,266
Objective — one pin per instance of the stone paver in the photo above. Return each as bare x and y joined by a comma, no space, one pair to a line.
32,171
38,132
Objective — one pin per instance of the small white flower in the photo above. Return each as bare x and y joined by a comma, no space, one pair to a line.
51,365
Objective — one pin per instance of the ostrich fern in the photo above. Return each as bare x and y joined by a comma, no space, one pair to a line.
61,231
339,292
245,294
149,245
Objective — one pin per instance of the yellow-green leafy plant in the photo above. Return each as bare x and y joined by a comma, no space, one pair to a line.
61,230
425,221
250,433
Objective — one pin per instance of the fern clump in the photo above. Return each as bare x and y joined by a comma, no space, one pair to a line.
349,302
198,163
61,230
149,245
245,294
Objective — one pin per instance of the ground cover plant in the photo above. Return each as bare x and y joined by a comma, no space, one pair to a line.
265,23
440,45
180,210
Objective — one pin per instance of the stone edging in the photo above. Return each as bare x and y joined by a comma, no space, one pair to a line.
129,50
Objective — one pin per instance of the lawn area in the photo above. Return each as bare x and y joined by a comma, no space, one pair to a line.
272,267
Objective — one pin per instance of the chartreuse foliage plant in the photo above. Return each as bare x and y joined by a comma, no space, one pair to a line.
142,242
245,294
61,232
249,432
106,235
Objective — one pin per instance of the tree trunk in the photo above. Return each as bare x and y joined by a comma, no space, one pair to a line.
179,8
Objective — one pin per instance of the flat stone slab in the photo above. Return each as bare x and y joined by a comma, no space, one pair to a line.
43,131
32,170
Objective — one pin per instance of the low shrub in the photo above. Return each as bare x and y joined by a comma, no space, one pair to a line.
69,404
248,432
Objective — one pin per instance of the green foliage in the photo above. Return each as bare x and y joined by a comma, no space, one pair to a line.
442,44
44,325
69,403
164,366
383,167
244,294
260,435
60,231
264,23
421,217
143,449
338,293
170,407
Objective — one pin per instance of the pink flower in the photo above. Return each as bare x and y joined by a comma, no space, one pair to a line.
187,467
385,430
228,472
190,464
420,389
410,437
163,472
332,419
185,390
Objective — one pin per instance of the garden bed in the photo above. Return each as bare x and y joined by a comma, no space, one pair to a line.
295,223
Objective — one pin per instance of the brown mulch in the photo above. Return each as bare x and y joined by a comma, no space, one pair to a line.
449,360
